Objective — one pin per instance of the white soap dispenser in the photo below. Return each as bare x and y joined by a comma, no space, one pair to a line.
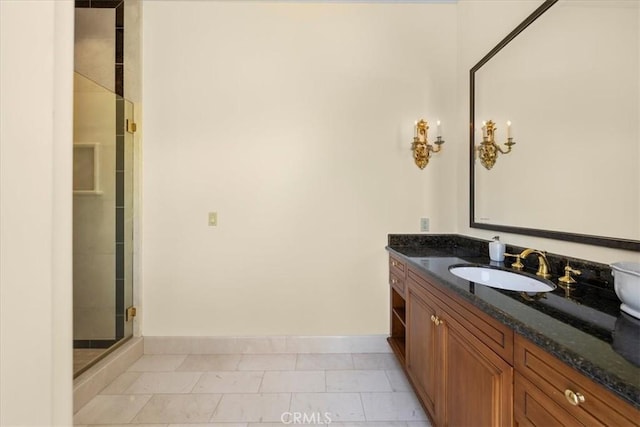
496,249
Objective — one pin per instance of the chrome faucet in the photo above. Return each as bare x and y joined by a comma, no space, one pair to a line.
543,264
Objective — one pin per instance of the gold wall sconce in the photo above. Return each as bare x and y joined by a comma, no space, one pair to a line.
488,149
421,147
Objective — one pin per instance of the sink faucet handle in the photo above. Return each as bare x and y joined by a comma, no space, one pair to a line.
518,265
567,279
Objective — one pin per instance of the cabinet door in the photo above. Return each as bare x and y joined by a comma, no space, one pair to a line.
422,345
478,383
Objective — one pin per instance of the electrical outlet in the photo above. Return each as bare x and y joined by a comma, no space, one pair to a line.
213,219
424,224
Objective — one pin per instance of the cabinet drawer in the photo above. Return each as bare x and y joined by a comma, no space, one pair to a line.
532,407
397,267
553,378
396,283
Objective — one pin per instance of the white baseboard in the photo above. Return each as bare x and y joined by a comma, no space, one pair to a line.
267,345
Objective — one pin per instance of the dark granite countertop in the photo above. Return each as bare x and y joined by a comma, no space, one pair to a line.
585,330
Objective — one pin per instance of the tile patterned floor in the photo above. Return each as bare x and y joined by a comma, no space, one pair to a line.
251,390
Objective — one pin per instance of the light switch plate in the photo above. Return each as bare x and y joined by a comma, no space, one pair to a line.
424,224
213,219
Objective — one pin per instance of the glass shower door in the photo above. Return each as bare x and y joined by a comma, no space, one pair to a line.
102,221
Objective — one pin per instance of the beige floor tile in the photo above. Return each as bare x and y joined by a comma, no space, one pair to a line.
267,362
287,423
313,362
306,423
277,424
264,407
210,362
229,382
371,424
157,363
110,409
361,380
375,361
178,408
398,380
132,425
337,406
121,383
395,406
234,390
164,382
211,425
293,381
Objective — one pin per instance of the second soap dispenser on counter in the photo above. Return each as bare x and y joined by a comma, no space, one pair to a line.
496,250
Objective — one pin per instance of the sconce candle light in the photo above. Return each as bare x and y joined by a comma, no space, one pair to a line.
421,147
488,149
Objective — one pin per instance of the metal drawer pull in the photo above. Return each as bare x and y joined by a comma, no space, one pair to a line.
436,320
574,398
394,281
395,264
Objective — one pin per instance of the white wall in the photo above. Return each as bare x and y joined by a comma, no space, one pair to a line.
293,121
481,25
36,54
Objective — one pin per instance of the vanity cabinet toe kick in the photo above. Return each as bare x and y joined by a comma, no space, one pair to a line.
468,369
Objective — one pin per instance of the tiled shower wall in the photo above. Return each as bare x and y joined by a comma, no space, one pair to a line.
117,8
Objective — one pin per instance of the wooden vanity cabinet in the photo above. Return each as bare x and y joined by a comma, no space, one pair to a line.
460,380
548,392
468,369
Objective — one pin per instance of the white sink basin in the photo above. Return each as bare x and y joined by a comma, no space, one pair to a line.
502,279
